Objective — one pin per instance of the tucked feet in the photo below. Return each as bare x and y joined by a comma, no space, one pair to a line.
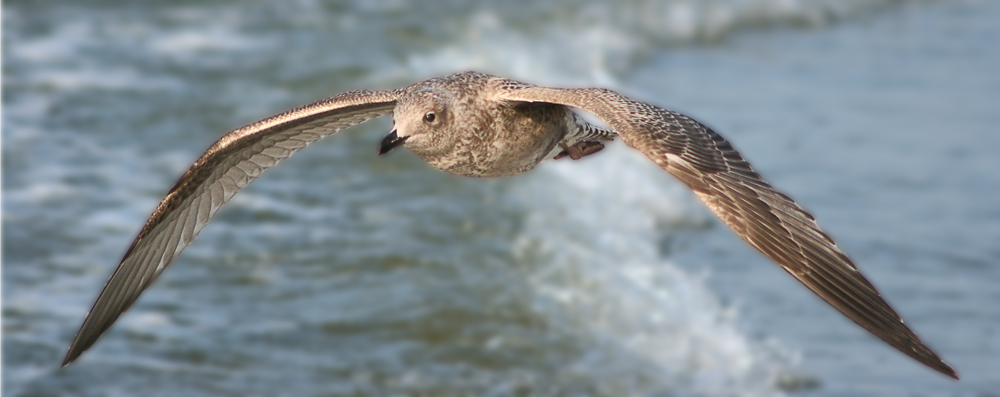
579,150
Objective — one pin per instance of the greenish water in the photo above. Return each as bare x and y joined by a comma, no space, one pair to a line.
341,273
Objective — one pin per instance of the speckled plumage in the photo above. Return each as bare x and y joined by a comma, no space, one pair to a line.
485,137
487,126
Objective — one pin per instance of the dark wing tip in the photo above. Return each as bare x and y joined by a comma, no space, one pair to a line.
937,364
71,356
82,342
948,370
96,323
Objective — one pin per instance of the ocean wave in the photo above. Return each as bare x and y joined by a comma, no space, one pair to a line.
591,230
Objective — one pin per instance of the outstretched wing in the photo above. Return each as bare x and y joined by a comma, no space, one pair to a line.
229,164
765,218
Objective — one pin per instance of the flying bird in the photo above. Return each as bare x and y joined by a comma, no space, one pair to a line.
480,125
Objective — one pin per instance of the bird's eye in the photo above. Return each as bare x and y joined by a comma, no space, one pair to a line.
430,117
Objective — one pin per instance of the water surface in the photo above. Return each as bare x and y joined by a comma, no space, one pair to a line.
341,273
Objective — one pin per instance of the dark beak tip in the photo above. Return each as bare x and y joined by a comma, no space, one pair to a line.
390,142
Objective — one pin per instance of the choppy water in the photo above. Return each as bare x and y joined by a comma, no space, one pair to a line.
339,273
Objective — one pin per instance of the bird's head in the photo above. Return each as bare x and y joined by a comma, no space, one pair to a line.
421,121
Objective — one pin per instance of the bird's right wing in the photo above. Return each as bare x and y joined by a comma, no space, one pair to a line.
765,218
228,165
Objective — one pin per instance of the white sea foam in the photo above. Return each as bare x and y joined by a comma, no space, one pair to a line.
593,42
594,228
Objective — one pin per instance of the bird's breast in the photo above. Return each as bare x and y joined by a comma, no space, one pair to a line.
509,140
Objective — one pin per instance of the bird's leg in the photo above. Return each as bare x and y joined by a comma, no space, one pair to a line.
579,149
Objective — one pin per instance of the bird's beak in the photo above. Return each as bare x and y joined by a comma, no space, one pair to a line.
390,142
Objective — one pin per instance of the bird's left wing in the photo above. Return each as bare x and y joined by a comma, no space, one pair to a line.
228,165
765,218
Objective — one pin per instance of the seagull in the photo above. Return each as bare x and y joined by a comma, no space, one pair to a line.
479,125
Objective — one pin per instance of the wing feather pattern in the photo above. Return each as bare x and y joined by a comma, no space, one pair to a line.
768,220
228,165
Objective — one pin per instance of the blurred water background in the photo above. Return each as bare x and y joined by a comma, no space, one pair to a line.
341,273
